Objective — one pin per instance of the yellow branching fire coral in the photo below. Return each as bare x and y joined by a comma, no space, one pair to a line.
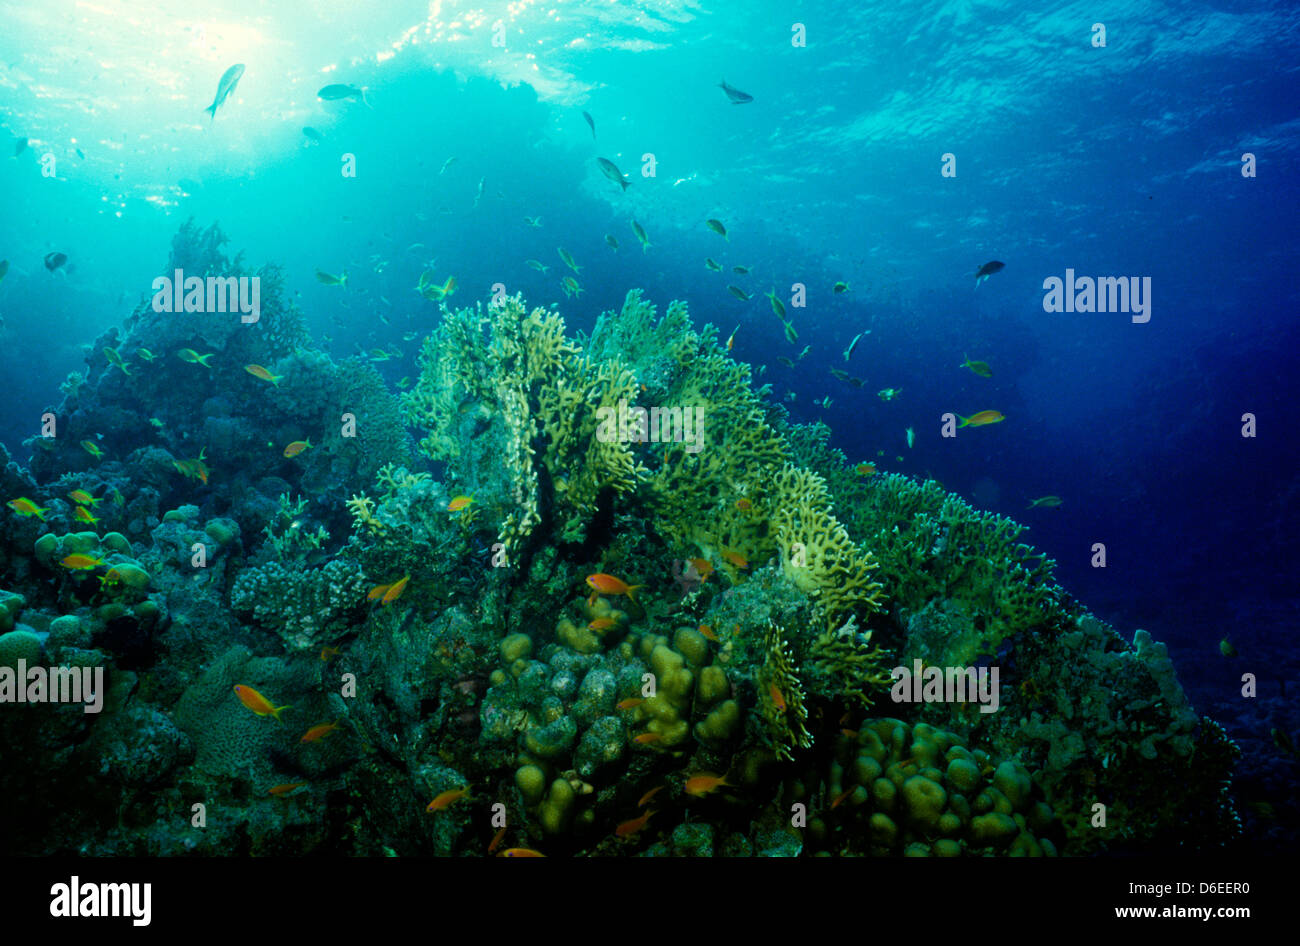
781,698
850,664
816,552
362,509
512,377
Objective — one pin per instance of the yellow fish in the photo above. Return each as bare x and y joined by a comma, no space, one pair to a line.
194,358
257,371
81,563
983,418
297,447
92,448
115,360
25,507
84,498
82,514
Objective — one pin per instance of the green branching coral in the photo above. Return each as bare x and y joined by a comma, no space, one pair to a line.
782,716
932,545
816,551
287,533
845,663
503,391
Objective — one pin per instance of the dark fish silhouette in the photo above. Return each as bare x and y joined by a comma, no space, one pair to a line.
592,123
312,134
737,97
987,270
54,260
229,79
332,93
20,146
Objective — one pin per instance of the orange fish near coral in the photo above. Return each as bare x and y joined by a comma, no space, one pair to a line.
649,795
317,733
778,698
982,419
395,590
520,852
630,703
84,498
327,652
459,503
744,505
602,624
284,789
259,704
865,469
25,507
704,784
496,839
709,633
196,468
448,798
703,567
648,738
735,558
81,563
839,799
297,447
629,828
609,585
82,514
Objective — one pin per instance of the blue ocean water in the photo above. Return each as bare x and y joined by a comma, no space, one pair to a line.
894,147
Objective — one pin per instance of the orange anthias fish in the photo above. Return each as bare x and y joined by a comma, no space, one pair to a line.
459,503
649,795
708,632
82,514
647,738
520,852
865,469
297,447
609,585
735,558
257,371
602,624
84,498
705,783
744,505
778,698
25,507
327,652
319,732
259,704
496,839
395,590
92,448
79,562
703,567
196,468
448,798
630,703
981,419
284,789
839,799
629,828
